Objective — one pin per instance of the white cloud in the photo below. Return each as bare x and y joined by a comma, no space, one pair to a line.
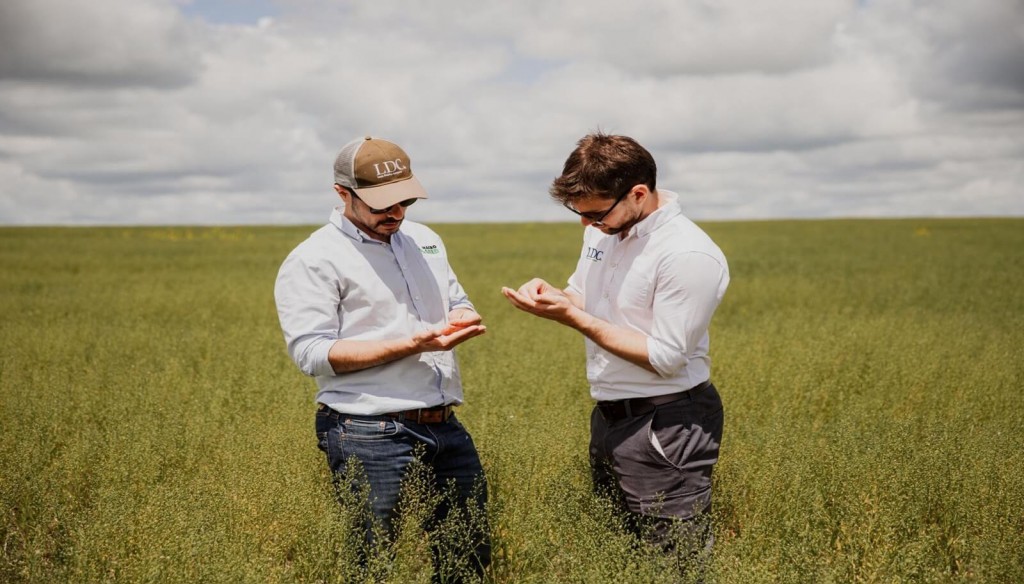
129,111
108,43
694,38
965,55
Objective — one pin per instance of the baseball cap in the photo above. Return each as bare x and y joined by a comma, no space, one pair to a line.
378,171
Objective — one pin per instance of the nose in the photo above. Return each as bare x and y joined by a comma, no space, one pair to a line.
585,222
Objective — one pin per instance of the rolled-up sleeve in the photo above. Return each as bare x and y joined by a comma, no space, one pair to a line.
689,287
457,297
307,306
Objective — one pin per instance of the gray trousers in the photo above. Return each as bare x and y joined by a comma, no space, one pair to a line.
658,464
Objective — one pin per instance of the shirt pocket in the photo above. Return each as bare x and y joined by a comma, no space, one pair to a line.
635,293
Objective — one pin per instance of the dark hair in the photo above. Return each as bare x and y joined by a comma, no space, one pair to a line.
604,166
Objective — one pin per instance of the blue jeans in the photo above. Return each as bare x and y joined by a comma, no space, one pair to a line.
385,447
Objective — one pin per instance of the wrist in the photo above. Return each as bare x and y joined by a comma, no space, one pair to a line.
578,319
411,346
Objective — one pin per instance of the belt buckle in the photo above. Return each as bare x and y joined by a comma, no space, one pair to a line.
436,415
614,411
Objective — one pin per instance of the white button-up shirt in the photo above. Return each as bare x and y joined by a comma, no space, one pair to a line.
341,284
664,279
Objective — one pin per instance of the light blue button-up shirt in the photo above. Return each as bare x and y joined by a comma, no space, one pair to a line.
341,284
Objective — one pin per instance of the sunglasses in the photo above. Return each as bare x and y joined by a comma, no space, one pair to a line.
403,204
595,217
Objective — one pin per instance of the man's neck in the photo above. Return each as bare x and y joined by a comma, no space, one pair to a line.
652,204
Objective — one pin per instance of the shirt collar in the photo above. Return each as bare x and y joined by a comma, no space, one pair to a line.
668,210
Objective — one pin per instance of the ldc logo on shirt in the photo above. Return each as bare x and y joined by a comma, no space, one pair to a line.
430,249
594,255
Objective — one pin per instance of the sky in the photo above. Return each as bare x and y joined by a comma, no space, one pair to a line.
225,112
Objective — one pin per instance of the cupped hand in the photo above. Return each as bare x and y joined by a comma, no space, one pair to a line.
447,338
461,318
541,299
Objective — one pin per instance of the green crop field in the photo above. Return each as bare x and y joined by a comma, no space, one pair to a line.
153,429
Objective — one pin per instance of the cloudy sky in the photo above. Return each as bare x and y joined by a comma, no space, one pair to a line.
231,111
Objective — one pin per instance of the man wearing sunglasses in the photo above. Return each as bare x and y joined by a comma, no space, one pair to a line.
646,284
371,308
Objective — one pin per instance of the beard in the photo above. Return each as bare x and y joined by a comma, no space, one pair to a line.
624,226
379,228
386,226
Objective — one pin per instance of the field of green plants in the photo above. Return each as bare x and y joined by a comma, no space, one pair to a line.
152,428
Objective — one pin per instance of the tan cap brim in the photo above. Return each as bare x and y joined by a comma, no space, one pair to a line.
384,196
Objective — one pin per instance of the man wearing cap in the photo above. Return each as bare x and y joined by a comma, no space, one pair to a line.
371,308
646,284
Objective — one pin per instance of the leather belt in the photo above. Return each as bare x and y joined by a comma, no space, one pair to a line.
434,415
639,406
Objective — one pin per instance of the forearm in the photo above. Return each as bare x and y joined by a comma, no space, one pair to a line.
621,342
347,356
567,307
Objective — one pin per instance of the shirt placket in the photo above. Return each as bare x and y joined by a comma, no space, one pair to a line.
412,280
609,278
603,307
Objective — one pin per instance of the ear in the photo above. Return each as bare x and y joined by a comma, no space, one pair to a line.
642,192
342,192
